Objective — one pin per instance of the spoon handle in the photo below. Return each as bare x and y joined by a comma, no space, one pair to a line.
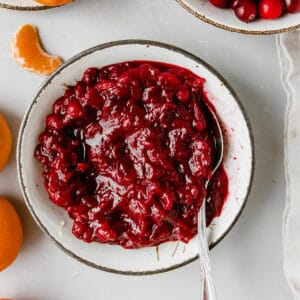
208,291
207,286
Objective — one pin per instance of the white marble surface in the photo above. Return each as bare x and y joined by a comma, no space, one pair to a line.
248,263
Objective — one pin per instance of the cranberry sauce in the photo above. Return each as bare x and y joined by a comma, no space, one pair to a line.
127,151
217,195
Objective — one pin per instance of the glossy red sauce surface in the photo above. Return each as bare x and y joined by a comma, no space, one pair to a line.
216,195
127,151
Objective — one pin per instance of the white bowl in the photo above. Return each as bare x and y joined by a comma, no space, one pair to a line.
226,19
55,222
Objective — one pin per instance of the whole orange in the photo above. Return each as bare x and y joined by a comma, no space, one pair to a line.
5,142
11,234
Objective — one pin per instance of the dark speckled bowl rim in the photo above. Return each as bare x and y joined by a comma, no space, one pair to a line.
77,57
29,8
233,29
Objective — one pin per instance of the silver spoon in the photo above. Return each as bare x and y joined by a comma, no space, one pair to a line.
208,290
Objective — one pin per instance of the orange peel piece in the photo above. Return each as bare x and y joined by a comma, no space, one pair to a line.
54,2
11,234
29,54
5,142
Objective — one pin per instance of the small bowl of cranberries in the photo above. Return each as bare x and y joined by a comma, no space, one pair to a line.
247,16
116,148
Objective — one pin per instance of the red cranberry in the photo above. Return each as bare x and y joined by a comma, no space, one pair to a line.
79,228
92,98
220,3
82,167
47,139
69,93
90,76
234,4
80,90
169,82
246,10
104,233
270,9
58,105
135,90
88,235
75,110
54,121
183,95
292,6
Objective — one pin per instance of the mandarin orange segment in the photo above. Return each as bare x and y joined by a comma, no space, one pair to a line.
5,142
11,234
54,2
28,52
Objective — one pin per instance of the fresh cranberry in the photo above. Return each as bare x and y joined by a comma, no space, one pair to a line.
292,6
127,151
234,4
245,10
220,3
270,9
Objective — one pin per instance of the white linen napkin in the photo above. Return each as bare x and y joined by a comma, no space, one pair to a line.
288,45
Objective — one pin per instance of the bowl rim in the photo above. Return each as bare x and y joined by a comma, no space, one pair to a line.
73,59
24,8
230,28
29,8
